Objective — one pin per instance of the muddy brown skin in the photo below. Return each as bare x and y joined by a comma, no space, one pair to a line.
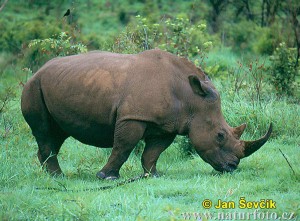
113,100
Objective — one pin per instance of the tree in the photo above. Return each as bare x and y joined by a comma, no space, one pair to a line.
269,11
217,7
244,6
293,9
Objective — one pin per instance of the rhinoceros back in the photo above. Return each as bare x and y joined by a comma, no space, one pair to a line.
80,93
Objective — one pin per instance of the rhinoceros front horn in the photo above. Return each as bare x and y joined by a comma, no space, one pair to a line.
252,146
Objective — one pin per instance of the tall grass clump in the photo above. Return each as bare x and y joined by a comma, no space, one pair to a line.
258,116
247,97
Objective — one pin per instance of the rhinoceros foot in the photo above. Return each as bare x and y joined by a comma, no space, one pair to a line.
53,170
107,176
152,174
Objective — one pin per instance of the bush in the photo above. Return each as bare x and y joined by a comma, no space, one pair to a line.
283,70
177,36
39,51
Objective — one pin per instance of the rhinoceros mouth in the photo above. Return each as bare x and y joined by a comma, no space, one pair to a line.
230,167
227,167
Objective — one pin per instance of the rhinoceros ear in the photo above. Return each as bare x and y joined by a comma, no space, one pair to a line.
198,86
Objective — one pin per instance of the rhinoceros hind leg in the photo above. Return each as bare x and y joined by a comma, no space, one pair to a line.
47,153
49,137
46,131
154,147
127,135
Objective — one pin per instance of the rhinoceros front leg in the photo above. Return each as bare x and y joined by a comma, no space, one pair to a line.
127,135
154,147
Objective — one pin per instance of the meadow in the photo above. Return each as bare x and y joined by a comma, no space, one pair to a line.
29,193
266,185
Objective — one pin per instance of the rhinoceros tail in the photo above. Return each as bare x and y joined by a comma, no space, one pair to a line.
32,103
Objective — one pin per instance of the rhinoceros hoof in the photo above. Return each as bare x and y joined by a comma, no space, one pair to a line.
104,176
153,174
111,178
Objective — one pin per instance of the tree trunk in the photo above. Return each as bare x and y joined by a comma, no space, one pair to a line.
218,7
296,28
294,11
3,5
263,13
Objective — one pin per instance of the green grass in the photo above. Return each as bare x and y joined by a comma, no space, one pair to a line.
26,193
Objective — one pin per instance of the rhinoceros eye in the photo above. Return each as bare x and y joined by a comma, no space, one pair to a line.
220,137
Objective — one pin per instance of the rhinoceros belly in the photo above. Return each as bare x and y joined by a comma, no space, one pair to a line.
84,124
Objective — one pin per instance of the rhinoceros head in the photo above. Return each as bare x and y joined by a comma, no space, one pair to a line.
214,140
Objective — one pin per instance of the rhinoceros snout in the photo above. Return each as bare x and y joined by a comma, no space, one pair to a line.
229,166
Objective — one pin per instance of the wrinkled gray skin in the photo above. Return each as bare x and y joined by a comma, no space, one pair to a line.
113,100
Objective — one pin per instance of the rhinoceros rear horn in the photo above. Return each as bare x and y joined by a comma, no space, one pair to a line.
238,131
252,146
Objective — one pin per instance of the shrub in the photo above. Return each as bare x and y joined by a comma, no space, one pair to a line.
283,70
183,38
42,50
177,36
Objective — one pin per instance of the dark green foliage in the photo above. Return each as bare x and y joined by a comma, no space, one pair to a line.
267,40
242,36
284,70
17,35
